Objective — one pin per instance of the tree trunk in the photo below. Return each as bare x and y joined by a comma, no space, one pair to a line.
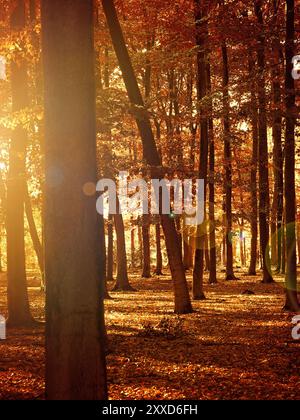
132,246
253,176
151,156
122,283
37,245
212,223
17,296
140,239
158,270
201,34
228,167
75,364
146,247
277,151
291,303
110,250
264,199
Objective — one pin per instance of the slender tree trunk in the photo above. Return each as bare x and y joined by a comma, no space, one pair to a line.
140,239
146,247
3,216
110,250
264,199
37,245
186,254
291,303
228,167
158,270
178,228
201,33
132,246
17,296
253,175
278,151
283,246
298,241
212,222
75,364
151,155
122,283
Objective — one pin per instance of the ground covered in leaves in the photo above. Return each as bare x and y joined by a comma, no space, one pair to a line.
234,345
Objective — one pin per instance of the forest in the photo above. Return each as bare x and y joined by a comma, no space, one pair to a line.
104,296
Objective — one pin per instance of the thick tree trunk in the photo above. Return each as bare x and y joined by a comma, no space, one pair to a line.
17,296
291,303
146,247
228,167
75,365
264,199
150,152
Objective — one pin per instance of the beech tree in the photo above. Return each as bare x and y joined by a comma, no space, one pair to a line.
264,199
289,173
75,365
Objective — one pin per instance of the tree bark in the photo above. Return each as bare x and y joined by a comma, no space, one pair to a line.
74,240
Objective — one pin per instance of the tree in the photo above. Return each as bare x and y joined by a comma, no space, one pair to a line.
37,245
17,297
151,155
278,150
201,33
122,283
228,166
146,246
264,199
159,262
212,222
253,175
75,365
289,173
110,249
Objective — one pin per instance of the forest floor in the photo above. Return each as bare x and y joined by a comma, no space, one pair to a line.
234,346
